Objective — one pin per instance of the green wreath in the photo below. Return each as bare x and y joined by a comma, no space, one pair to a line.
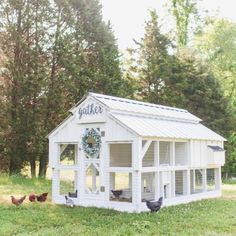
91,143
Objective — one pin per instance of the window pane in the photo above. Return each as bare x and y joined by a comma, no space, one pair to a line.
68,181
121,155
164,153
68,154
121,187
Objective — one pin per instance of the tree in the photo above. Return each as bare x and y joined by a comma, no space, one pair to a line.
159,72
84,57
204,95
56,51
230,165
216,43
23,32
183,10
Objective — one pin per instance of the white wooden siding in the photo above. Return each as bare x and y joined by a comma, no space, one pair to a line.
200,154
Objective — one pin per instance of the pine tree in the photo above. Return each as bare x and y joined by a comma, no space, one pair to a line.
159,72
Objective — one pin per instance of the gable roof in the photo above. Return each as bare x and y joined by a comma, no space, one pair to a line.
145,108
151,120
150,127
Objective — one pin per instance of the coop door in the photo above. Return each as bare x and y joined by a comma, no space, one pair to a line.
91,143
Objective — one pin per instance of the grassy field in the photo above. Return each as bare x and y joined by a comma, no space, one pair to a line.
207,217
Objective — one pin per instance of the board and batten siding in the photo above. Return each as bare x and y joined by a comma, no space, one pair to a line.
200,153
117,133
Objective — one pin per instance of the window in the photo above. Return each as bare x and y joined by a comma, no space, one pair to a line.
68,181
180,183
148,186
121,155
68,154
164,153
121,187
148,159
211,185
196,181
180,153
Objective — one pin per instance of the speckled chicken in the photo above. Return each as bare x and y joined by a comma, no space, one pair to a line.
69,202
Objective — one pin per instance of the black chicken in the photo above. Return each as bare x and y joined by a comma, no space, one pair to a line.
117,193
154,206
74,195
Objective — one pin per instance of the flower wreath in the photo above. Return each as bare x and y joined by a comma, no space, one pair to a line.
91,151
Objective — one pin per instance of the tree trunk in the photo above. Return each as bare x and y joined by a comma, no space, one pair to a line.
49,122
43,164
33,168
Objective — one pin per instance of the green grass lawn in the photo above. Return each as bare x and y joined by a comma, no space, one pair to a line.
207,217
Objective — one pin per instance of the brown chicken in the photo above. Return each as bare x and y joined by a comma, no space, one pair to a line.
17,202
42,197
32,197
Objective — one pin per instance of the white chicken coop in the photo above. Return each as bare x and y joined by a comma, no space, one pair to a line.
118,153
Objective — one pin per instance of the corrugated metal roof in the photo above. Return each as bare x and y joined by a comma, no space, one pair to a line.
150,127
127,105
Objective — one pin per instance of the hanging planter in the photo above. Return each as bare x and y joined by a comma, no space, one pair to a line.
91,143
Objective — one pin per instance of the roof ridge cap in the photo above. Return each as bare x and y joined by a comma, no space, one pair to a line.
137,102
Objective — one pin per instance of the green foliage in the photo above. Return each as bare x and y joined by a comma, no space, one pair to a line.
204,95
206,217
216,43
230,165
159,73
183,12
55,51
180,79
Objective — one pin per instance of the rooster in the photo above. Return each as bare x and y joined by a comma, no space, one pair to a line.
17,202
32,197
69,202
154,206
74,195
42,197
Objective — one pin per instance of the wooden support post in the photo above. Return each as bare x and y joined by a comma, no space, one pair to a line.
81,175
194,188
188,182
136,177
172,154
218,178
55,183
172,174
204,180
157,185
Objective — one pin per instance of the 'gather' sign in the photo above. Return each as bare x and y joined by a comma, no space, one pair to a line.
90,109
